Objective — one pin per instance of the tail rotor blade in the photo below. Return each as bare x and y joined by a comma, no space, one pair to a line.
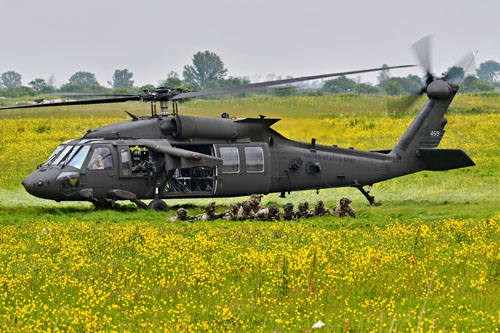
466,66
402,104
422,50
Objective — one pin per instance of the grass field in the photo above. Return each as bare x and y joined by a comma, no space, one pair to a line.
427,259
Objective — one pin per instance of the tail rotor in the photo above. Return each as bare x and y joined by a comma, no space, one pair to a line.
422,50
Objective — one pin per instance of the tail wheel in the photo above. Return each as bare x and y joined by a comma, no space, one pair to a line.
158,205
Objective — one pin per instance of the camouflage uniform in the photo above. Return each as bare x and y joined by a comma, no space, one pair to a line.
287,214
268,214
208,214
302,210
256,199
180,215
232,213
344,208
320,209
246,211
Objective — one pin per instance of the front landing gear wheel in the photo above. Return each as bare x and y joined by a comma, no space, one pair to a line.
158,205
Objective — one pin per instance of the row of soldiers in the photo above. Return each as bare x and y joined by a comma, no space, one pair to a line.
252,209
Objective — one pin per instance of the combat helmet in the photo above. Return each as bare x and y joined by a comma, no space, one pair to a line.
181,212
273,209
288,207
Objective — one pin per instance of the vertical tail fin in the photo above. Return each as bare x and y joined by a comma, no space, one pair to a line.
414,152
427,129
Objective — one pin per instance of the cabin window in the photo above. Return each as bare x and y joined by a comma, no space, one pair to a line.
78,158
101,159
125,157
230,159
254,157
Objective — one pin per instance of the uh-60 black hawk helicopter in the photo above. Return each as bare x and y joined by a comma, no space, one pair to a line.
169,155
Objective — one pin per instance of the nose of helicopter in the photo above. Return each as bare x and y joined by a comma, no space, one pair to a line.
41,183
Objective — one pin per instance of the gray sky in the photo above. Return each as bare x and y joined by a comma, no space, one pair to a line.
153,37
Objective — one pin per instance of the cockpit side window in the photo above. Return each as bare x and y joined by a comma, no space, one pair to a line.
79,157
101,159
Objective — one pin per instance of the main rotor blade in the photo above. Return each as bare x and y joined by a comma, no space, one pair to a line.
84,102
264,85
86,94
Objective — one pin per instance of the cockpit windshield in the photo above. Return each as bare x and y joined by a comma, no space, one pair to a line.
78,156
63,155
53,156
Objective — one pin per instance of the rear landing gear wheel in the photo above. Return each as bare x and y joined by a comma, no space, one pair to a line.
158,205
370,198
103,205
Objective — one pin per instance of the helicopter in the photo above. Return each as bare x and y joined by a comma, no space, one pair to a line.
170,155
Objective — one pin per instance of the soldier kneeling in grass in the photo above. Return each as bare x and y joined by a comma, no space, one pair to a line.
320,209
268,214
255,199
208,214
344,208
246,211
232,213
287,214
302,210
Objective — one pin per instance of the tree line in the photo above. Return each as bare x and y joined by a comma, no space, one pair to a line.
207,71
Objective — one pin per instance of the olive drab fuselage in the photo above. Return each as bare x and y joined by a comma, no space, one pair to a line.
193,156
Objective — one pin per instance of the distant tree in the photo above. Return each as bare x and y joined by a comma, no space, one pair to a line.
10,79
172,74
366,89
454,74
39,85
207,66
172,82
473,84
231,81
52,82
287,91
146,87
15,92
339,85
393,88
123,90
312,93
383,77
488,71
84,88
192,86
410,84
122,79
84,78
270,77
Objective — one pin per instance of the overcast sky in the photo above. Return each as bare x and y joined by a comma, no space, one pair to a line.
254,37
